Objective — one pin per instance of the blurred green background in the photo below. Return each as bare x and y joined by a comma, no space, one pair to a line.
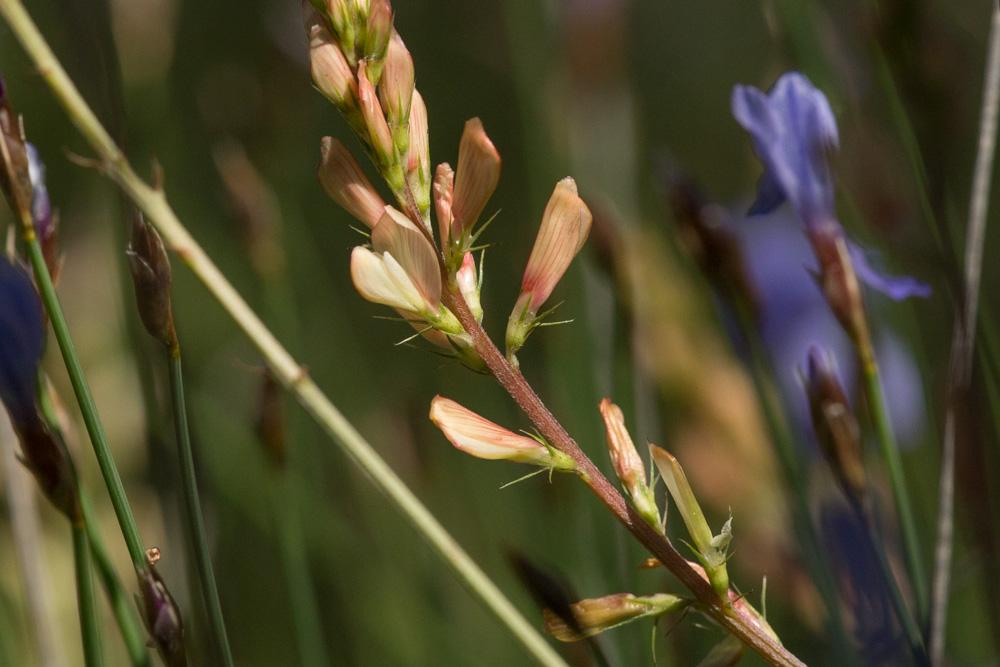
218,95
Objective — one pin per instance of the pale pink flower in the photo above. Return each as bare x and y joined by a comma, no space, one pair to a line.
483,439
379,136
444,191
330,70
468,284
342,178
418,156
395,88
476,177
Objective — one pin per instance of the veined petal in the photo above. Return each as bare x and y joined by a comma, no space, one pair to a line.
444,190
398,236
418,156
564,229
380,279
894,287
342,178
330,70
476,177
483,439
624,457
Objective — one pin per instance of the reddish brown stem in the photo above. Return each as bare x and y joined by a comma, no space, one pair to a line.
741,625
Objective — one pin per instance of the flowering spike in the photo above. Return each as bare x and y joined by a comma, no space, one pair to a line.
151,278
342,178
628,465
595,615
395,90
331,72
483,439
379,135
160,613
476,177
564,229
712,549
444,191
418,157
835,425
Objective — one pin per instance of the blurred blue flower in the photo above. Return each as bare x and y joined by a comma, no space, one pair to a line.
22,332
794,317
793,130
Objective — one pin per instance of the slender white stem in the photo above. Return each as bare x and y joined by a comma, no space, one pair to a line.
286,369
963,340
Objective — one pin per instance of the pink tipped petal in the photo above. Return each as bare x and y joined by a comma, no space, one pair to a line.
482,438
342,178
418,156
398,236
477,175
444,189
330,71
380,279
564,229
395,89
624,457
379,135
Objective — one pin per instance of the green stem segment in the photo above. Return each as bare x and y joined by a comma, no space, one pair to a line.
90,625
897,481
88,409
286,369
193,514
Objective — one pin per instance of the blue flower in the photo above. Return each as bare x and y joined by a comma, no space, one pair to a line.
22,332
793,131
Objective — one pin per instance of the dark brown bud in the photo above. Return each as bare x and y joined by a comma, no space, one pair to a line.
838,281
44,454
270,422
835,425
150,268
714,248
161,614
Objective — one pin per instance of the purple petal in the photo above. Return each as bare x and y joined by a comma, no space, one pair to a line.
22,334
895,287
769,195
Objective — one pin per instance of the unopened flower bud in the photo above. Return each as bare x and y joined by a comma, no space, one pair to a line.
444,189
468,285
418,156
379,135
330,70
628,465
378,31
161,614
151,278
564,229
395,90
835,425
484,439
476,177
712,549
595,615
341,14
345,182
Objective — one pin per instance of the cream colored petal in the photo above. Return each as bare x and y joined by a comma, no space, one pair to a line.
342,178
398,236
375,279
482,438
477,175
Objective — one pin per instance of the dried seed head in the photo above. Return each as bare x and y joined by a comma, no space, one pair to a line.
331,72
342,178
476,177
151,278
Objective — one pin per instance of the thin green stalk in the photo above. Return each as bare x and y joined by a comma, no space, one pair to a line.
193,514
897,481
305,610
90,625
813,552
88,409
285,368
122,605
